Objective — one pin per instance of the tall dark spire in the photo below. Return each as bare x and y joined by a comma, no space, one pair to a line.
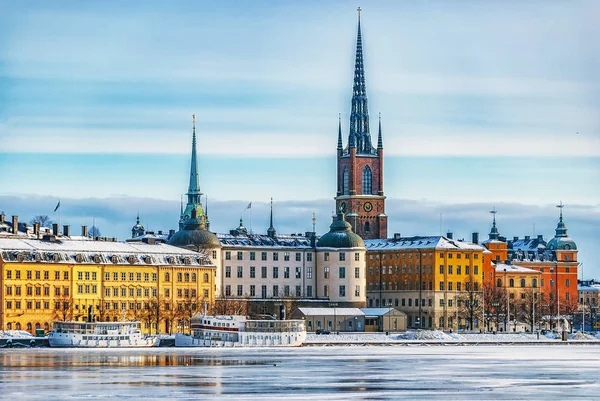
561,228
340,146
379,136
271,231
359,136
494,234
194,187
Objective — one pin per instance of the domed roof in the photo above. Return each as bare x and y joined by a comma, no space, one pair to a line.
340,235
194,234
561,244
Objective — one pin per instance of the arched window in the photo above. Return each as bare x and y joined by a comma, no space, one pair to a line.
346,182
18,326
179,277
193,277
522,283
206,277
367,181
187,277
367,227
28,326
511,282
37,326
8,326
167,277
499,283
534,283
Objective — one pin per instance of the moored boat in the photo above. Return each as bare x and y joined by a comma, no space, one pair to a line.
100,335
237,331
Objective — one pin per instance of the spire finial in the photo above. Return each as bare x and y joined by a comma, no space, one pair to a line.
379,135
560,206
271,231
493,212
359,10
340,145
314,222
494,234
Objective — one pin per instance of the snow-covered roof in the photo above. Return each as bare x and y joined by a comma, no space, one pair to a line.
94,252
264,241
376,312
592,288
527,244
500,267
421,242
331,311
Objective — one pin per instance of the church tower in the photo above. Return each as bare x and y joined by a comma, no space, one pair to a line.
360,165
193,193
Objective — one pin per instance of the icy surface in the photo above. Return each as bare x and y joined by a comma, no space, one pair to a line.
550,372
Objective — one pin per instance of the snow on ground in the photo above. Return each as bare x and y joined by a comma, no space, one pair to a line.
441,336
15,334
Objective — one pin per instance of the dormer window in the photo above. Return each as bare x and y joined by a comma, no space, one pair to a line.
37,257
187,260
56,257
148,259
79,258
96,258
171,259
114,259
131,259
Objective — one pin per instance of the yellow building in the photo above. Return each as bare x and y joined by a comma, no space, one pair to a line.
58,278
435,280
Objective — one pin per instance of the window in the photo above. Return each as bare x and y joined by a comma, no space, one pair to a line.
214,254
458,270
298,257
286,291
342,256
449,285
449,268
499,282
309,257
298,275
441,286
298,291
326,272
37,275
309,272
46,291
263,272
357,256
367,227
18,274
79,275
357,272
459,286
275,272
240,255
9,274
275,290
228,290
567,283
326,291
252,255
167,277
179,277
286,272
18,290
367,184
345,181
252,290
9,290
326,256
228,271
240,272
342,290
263,256
131,276
309,291
450,255
252,272
227,255
475,269
342,272
357,292
263,291
522,283
286,256
511,282
275,256
47,274
534,283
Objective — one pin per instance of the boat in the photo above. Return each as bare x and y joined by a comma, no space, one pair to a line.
238,331
100,335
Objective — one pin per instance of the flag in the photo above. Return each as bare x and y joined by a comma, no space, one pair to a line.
57,206
249,206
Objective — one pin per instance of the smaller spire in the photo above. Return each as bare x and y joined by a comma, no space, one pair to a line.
271,231
494,234
379,136
340,145
138,218
561,228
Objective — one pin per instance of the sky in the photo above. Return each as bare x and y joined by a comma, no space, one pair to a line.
483,104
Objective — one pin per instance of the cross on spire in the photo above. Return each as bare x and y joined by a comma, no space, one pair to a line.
359,10
560,206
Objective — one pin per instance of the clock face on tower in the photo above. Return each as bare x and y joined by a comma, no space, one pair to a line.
343,207
368,206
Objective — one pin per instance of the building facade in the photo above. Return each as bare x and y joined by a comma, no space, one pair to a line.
58,278
360,164
436,281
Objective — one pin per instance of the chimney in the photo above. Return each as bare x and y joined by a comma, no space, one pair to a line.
114,239
2,217
105,239
397,236
148,240
36,230
540,237
171,233
449,235
67,230
84,231
515,239
160,232
15,224
527,238
55,229
475,238
97,239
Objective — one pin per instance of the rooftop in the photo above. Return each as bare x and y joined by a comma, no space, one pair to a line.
421,242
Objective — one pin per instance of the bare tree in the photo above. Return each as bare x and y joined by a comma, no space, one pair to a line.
495,304
44,220
469,303
63,308
568,309
230,306
94,232
529,308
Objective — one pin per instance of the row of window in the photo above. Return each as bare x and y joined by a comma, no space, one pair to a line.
37,290
410,269
459,270
523,282
459,287
264,272
423,255
341,272
285,291
29,274
28,305
341,256
263,256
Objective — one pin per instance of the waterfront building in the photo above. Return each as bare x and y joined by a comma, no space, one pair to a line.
360,164
60,278
435,280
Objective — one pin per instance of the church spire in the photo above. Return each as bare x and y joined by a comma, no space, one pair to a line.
561,228
379,136
271,231
494,234
194,187
359,116
340,146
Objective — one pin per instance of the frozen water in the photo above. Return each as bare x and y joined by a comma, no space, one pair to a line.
549,372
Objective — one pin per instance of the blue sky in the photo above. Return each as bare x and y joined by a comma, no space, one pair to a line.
483,104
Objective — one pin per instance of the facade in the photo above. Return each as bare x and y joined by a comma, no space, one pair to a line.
431,279
360,165
555,260
589,305
384,319
332,319
58,278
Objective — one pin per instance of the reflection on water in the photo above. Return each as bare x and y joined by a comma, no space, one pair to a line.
462,373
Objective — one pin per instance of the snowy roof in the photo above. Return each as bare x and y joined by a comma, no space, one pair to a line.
527,244
419,242
593,288
376,312
264,241
93,252
331,311
500,267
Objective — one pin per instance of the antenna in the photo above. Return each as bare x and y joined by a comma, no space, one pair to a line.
314,222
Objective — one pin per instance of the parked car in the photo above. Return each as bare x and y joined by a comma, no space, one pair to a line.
322,331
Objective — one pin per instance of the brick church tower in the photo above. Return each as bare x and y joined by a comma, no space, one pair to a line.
360,164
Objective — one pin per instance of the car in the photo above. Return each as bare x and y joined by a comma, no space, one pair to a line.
322,331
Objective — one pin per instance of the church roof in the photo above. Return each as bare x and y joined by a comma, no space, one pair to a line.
421,242
340,235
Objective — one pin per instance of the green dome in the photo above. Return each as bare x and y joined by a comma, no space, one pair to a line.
561,244
340,235
195,235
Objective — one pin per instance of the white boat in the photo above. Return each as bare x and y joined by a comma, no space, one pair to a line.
100,335
237,331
